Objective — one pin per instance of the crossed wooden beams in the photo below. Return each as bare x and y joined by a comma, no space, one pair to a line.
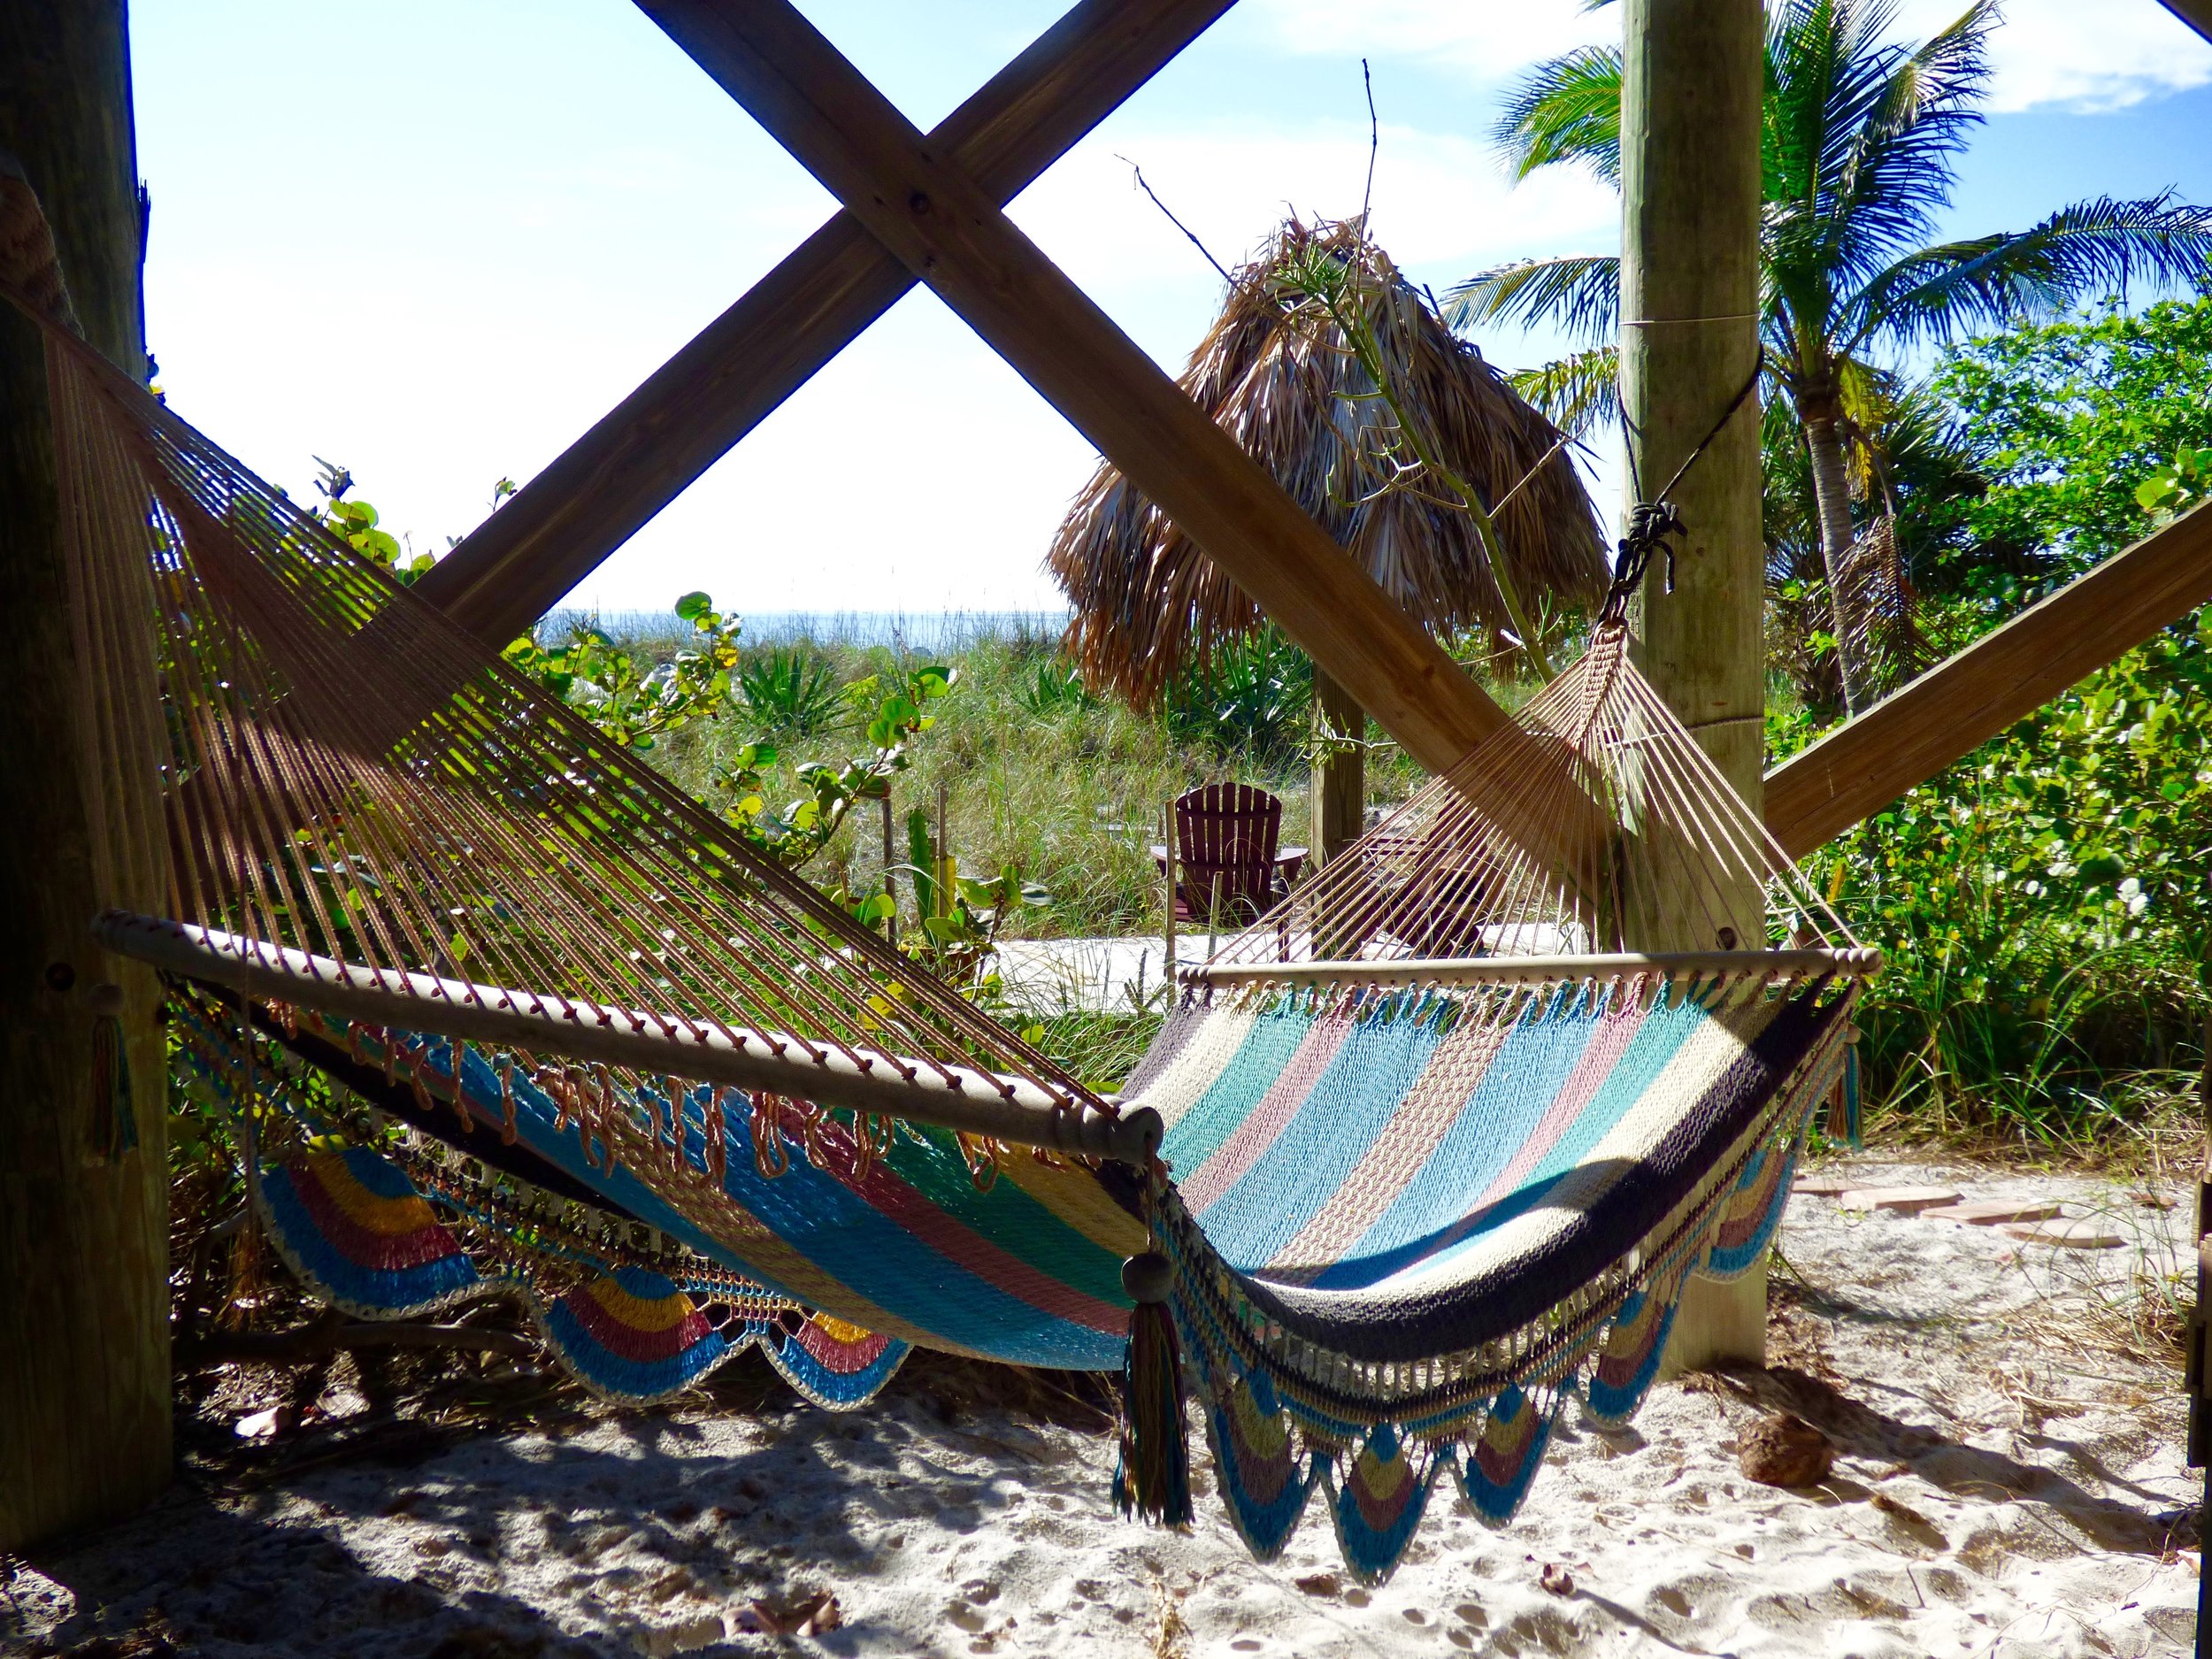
929,208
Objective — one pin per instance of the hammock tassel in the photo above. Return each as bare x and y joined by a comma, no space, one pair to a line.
1843,1105
1153,1476
114,1124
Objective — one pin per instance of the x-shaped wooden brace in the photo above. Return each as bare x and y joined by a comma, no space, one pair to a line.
630,465
930,208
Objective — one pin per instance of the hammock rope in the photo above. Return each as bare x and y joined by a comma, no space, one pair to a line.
349,778
1422,1155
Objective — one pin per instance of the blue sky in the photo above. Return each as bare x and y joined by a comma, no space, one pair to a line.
435,239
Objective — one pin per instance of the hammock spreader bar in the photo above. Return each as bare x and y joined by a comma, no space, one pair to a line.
1856,962
972,1102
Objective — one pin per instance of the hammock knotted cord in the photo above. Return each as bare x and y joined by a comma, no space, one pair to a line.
1444,1134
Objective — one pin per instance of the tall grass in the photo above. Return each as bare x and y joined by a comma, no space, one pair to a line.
1036,773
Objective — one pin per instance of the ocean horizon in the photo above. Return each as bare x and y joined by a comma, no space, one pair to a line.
925,632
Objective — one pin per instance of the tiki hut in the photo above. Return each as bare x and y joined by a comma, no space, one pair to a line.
1333,372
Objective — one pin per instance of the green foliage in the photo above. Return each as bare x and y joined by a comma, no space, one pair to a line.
357,524
633,702
797,833
2088,428
789,692
1055,686
2043,903
2172,490
1100,1050
1253,698
957,917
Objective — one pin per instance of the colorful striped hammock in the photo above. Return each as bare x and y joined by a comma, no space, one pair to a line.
1440,1149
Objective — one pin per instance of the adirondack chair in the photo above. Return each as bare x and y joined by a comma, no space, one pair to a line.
1226,853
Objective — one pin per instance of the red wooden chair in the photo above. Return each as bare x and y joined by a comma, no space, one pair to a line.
1226,853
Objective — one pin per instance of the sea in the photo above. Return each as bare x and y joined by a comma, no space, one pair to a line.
925,633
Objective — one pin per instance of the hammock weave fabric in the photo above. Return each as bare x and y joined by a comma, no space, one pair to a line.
1439,1151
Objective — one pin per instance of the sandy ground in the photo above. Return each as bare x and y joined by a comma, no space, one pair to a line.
1057,976
2010,1483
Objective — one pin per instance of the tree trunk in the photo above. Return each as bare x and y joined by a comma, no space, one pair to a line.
1693,72
1339,775
84,1329
1831,493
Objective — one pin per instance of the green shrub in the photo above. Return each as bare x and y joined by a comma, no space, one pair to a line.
2043,905
789,692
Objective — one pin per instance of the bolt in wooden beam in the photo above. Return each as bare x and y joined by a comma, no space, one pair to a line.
608,484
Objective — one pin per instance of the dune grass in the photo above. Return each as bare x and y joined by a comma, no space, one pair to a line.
1036,773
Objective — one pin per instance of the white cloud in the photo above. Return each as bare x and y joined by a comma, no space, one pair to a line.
2047,54
2062,53
1491,40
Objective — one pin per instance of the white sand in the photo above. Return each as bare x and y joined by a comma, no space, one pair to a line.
1994,1496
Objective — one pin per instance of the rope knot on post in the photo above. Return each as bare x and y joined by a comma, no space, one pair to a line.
1651,528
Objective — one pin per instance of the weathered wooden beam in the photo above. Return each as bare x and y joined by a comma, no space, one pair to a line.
947,230
1919,730
85,1412
605,488
659,1044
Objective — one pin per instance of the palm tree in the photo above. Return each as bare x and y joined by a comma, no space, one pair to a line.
1860,138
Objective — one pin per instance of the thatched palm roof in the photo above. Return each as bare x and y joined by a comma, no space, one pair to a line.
1277,372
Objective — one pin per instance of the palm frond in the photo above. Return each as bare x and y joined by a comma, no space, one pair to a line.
1567,109
2082,251
1580,292
1894,176
1859,136
1579,392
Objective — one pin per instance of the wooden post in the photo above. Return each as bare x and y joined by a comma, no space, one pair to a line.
943,860
84,1305
890,877
1690,123
1340,777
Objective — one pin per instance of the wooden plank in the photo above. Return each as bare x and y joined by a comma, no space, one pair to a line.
1905,1200
952,235
2069,1235
658,1044
1919,730
1994,1212
85,1409
605,488
1856,962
